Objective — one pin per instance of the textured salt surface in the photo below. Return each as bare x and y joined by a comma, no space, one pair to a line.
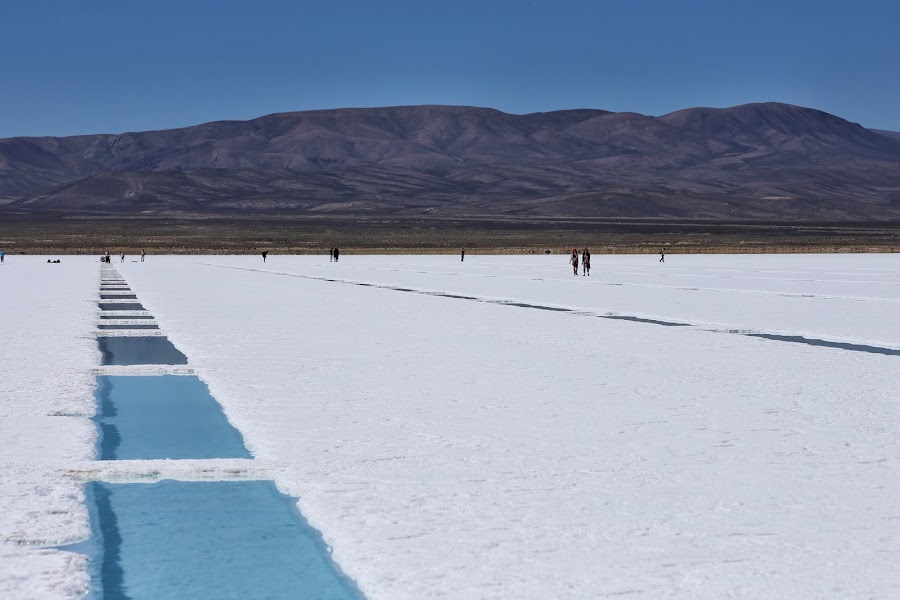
464,449
452,449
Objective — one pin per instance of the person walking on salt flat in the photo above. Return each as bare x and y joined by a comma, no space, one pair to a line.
585,262
662,255
2,256
337,254
462,255
142,255
264,254
574,261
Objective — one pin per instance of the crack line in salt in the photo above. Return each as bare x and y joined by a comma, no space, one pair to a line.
846,346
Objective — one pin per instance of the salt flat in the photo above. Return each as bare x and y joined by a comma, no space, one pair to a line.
452,447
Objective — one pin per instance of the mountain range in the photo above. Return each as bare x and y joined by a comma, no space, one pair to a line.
755,161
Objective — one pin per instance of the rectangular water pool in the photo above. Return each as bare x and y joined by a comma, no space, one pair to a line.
209,540
162,417
139,351
120,306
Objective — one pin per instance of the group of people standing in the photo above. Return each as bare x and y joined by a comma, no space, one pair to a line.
585,262
106,257
335,255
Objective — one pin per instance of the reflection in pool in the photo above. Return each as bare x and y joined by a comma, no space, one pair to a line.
162,417
193,540
139,351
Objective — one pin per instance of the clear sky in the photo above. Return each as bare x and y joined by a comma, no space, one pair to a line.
91,66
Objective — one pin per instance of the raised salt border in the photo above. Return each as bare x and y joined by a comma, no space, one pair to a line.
460,448
47,319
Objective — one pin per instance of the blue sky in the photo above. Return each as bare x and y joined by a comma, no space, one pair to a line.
91,66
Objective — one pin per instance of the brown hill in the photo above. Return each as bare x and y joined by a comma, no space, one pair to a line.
753,161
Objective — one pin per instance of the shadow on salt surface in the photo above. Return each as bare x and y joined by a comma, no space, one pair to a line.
208,540
139,351
162,417
799,339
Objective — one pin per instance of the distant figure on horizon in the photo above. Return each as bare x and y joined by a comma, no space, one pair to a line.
662,255
2,256
585,262
123,257
331,255
462,255
574,260
142,255
337,254
265,253
106,256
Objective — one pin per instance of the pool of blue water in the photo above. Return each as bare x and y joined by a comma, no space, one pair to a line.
209,540
117,296
128,317
162,417
139,351
120,306
128,326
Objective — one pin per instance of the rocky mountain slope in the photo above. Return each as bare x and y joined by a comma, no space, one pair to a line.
752,161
